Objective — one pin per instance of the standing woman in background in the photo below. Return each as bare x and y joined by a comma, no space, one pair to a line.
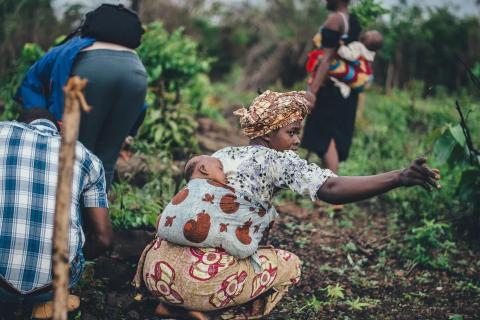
101,51
329,128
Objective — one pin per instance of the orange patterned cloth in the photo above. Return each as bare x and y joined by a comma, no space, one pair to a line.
209,279
271,111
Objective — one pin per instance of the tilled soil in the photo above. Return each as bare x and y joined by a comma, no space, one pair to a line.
353,254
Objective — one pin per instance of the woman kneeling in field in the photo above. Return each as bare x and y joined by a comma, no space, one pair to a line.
200,282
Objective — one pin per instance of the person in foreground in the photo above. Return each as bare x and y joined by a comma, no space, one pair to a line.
204,282
29,161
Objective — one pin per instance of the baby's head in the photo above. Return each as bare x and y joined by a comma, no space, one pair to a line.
372,39
205,167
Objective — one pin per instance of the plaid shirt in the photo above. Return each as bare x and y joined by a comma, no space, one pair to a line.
29,155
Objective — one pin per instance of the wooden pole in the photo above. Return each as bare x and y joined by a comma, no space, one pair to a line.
71,121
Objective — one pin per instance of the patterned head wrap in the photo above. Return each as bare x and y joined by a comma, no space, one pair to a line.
271,111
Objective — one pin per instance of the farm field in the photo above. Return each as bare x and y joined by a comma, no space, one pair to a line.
406,254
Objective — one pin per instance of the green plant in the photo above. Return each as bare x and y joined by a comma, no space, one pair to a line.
31,52
367,11
359,305
452,149
171,129
136,207
430,244
476,70
132,207
334,293
175,71
315,304
172,60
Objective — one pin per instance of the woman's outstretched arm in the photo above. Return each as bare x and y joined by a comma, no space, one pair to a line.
349,189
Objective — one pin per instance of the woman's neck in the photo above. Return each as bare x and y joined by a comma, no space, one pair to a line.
107,45
258,142
343,8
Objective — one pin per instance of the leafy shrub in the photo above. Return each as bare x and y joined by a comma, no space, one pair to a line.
429,244
175,70
392,131
452,150
171,129
368,11
172,60
134,207
31,52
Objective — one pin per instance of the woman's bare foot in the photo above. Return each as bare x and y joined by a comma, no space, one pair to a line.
257,307
166,311
197,315
162,310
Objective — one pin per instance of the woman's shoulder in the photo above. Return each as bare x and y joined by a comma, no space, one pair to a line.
334,22
240,152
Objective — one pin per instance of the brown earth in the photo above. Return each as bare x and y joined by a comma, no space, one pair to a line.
351,250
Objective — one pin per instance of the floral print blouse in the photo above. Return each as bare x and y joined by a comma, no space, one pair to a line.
261,172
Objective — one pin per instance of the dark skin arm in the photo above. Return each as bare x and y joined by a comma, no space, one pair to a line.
98,230
339,190
334,22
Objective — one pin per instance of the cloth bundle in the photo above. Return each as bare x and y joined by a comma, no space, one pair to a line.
209,214
350,68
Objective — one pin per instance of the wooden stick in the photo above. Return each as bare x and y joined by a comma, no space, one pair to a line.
71,121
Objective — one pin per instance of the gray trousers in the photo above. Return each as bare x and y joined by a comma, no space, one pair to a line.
116,89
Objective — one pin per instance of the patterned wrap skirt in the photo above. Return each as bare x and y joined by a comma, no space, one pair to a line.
208,279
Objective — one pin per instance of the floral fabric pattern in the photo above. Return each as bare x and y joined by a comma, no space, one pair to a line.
208,262
229,289
261,172
265,279
212,279
162,280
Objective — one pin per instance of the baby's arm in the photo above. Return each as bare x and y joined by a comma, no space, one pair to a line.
350,52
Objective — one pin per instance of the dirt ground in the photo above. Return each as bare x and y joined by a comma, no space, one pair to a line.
333,252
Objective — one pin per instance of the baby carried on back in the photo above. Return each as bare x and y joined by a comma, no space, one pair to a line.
208,213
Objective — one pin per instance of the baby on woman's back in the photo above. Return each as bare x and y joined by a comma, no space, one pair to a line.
209,213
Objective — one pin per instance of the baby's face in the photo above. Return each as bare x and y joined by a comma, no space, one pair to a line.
213,168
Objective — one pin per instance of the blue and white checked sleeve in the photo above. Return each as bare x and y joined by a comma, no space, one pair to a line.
94,192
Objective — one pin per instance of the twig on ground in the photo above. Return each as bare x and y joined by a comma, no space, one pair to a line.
361,246
388,236
411,269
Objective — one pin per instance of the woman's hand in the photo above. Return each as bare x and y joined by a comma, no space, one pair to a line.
418,173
